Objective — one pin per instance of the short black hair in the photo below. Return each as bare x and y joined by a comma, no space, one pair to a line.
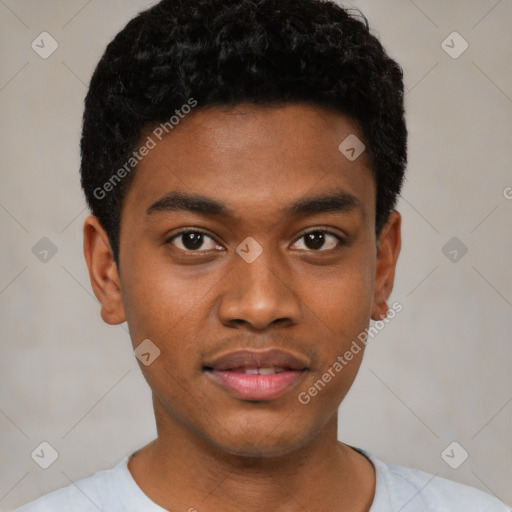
227,52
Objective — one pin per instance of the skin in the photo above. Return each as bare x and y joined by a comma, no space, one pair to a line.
216,452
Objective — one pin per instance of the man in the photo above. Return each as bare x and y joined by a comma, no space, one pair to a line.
242,160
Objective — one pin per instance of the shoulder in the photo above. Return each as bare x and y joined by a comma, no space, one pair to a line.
438,493
410,490
86,495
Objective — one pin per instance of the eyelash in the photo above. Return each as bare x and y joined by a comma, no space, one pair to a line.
341,241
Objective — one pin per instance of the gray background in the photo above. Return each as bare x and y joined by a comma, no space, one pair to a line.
439,372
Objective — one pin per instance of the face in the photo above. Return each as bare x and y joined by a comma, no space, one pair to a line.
248,229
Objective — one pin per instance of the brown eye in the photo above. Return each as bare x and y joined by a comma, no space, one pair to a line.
319,240
192,241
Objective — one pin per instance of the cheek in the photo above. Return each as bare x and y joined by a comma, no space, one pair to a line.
163,308
153,302
326,388
341,299
164,302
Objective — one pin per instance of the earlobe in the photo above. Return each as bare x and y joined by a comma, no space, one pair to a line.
388,249
103,271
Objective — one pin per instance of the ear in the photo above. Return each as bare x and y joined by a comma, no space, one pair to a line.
103,271
388,249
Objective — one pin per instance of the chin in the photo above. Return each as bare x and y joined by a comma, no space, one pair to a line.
275,439
259,449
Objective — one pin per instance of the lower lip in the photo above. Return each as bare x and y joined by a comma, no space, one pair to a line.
256,387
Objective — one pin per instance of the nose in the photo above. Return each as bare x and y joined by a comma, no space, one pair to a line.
259,294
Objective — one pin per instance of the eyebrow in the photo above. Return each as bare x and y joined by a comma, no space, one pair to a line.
337,201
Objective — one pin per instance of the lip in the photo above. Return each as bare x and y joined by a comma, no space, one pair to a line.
260,359
225,371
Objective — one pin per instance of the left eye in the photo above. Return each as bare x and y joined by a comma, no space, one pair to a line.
193,241
315,240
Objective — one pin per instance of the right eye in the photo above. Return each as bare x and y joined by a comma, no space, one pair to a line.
192,241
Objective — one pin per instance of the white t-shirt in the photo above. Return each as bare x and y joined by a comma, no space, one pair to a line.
398,489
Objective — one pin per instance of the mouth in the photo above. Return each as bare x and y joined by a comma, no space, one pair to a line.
257,376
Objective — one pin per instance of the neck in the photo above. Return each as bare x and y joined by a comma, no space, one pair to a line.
182,471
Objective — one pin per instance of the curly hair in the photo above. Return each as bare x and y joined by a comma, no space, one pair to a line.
226,52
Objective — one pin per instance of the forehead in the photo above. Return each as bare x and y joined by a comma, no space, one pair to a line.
253,159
